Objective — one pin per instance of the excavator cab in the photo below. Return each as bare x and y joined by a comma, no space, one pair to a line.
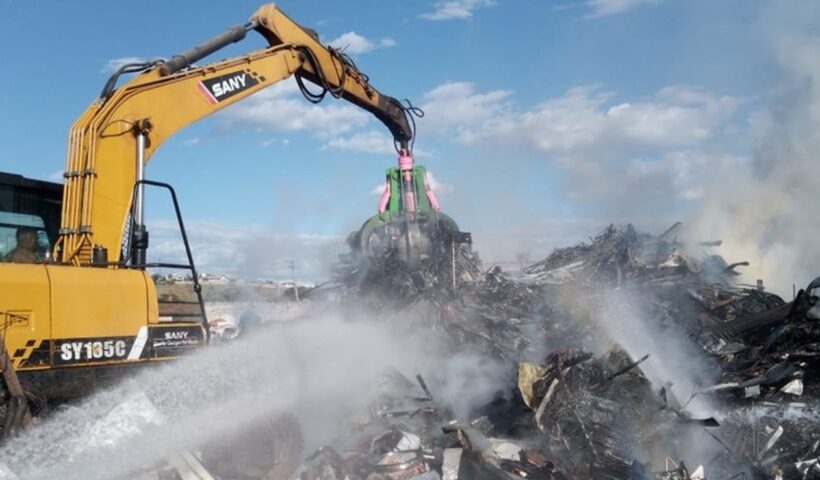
56,317
29,204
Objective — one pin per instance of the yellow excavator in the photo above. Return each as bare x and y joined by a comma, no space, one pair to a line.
86,310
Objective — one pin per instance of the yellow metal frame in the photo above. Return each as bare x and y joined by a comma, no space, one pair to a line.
57,303
101,163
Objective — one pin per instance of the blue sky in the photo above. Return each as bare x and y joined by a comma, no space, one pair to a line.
545,119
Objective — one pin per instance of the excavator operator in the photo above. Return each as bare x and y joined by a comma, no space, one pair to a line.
26,249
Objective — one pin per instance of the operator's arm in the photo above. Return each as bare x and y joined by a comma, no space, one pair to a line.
168,96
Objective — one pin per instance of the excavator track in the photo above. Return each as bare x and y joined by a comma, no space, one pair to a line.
14,409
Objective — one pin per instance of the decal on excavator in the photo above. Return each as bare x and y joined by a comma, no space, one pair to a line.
33,355
174,341
163,341
90,350
222,87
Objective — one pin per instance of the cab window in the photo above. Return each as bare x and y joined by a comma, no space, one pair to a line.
9,224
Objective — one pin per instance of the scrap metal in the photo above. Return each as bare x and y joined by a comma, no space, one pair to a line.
571,413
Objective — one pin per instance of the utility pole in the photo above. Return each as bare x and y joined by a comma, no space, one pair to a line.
293,277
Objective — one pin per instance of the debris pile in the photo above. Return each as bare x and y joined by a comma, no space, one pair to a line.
379,269
576,409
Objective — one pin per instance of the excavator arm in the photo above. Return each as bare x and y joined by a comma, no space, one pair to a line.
114,139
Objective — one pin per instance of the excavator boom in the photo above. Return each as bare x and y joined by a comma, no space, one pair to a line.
114,139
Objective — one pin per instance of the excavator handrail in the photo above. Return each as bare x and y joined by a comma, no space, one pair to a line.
190,266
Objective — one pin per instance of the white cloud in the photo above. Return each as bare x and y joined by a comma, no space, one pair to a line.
246,252
639,157
56,176
371,141
213,245
674,177
191,142
457,105
352,42
274,141
114,64
456,9
281,108
377,190
603,8
582,121
367,142
438,187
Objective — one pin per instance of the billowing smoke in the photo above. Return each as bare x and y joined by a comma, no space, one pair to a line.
764,210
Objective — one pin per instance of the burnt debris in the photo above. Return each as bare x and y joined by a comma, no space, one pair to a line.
577,407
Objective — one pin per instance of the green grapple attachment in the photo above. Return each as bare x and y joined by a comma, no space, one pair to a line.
410,232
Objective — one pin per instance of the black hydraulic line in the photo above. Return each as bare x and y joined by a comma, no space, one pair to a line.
182,60
411,111
389,111
321,80
188,57
111,83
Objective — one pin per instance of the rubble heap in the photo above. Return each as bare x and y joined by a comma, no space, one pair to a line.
381,276
577,410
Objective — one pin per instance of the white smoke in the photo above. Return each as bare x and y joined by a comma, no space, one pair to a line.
765,211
